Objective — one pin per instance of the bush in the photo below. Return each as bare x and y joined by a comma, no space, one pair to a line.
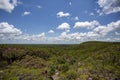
11,55
52,70
71,75
64,67
41,54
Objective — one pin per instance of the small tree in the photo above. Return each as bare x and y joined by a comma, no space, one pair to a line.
52,70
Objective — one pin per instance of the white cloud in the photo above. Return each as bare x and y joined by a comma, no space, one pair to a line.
10,34
109,6
100,30
67,30
99,12
117,33
78,37
62,14
86,24
19,2
26,13
8,31
6,28
64,26
37,37
104,30
38,6
76,18
92,14
50,31
41,35
27,37
64,36
70,3
8,5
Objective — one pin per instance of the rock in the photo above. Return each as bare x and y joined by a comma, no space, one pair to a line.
89,78
56,77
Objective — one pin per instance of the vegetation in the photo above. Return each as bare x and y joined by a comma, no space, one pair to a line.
86,61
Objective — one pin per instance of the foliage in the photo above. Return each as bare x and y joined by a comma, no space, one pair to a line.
96,60
71,75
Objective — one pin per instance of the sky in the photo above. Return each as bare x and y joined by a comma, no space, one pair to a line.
59,21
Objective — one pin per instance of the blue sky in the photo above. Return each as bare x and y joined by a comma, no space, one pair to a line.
59,21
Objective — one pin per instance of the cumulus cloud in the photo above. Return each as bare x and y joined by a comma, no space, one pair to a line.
117,33
8,31
36,37
76,18
8,5
92,14
6,28
67,30
62,14
64,26
26,13
86,24
101,32
77,36
50,31
108,6
104,30
38,6
68,37
40,35
31,38
70,3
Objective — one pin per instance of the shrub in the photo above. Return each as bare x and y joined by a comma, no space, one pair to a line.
64,67
71,75
52,70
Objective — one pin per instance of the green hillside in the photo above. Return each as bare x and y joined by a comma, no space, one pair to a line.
87,61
